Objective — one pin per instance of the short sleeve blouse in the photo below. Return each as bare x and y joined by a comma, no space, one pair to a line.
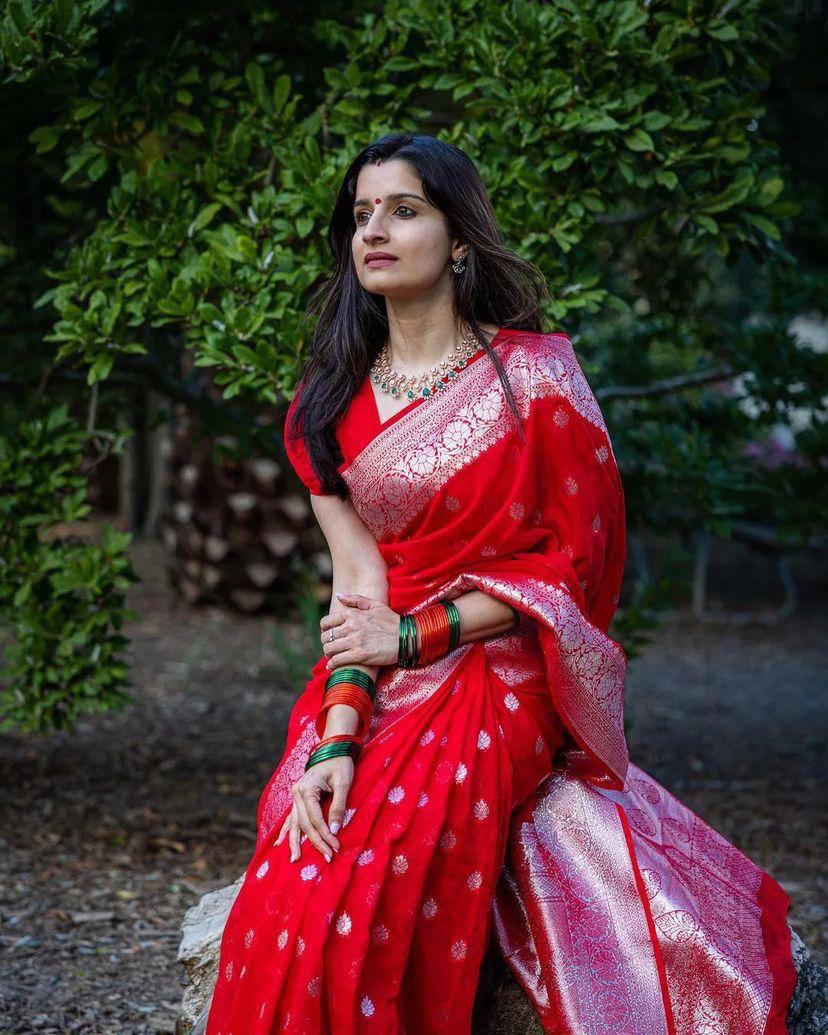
298,456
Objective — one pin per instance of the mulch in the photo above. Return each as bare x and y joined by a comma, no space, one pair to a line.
108,834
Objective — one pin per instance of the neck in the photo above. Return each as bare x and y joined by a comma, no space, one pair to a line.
419,340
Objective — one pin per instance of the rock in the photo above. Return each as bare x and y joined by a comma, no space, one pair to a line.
808,1013
501,1007
199,952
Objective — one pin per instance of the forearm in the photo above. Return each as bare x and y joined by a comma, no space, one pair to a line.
342,718
482,615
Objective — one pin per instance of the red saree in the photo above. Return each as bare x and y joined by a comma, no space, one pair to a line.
495,792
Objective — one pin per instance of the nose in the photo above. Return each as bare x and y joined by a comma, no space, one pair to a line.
374,229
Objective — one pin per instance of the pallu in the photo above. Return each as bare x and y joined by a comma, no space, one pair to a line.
495,796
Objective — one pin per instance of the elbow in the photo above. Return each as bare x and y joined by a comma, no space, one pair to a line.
368,581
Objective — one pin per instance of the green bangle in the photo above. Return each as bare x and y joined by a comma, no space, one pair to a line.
349,674
408,650
337,749
355,677
454,622
331,751
401,652
412,641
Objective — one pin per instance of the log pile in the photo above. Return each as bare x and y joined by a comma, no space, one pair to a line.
235,530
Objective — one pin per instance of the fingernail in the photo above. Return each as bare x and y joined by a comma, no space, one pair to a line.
327,857
335,826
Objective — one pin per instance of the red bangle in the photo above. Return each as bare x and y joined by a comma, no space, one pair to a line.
351,694
336,737
434,632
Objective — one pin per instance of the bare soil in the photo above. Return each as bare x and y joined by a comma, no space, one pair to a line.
109,834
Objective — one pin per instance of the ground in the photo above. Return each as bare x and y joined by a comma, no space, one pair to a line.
107,835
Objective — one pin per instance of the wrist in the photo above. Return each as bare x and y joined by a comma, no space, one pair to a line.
428,634
342,718
347,702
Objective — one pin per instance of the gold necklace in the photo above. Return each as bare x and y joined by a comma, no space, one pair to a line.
429,382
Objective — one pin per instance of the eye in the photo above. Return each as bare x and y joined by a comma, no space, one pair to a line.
364,212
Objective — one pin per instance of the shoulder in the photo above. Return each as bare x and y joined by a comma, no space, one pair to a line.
541,355
555,371
536,343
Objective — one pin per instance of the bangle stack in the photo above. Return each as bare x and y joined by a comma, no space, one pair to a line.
347,685
428,634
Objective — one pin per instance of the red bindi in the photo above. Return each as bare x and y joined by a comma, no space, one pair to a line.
377,201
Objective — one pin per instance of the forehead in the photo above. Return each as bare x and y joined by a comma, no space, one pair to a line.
392,175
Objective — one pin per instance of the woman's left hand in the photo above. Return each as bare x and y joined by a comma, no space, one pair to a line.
368,633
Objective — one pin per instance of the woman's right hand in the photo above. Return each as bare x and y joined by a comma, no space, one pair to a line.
331,776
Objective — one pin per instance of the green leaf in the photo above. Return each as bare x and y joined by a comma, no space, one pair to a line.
85,109
598,124
639,140
732,195
724,32
281,91
667,178
100,369
765,225
187,121
46,137
255,80
203,218
304,225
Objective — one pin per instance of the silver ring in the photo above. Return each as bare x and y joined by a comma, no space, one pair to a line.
331,637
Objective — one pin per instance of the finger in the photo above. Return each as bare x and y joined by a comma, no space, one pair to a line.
346,657
331,621
336,813
310,830
314,811
285,825
308,826
355,600
337,647
295,846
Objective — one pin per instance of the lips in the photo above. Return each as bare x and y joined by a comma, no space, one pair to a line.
378,259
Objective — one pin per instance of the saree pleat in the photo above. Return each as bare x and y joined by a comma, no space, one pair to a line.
495,794
330,947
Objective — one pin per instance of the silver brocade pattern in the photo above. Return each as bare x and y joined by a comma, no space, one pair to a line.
589,667
571,919
401,470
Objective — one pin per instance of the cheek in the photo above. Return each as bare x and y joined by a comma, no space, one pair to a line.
427,247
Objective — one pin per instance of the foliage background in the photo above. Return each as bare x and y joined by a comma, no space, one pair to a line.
167,173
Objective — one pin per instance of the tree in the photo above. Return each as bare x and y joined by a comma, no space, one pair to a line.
188,162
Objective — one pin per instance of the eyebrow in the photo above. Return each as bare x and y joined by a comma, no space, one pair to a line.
390,197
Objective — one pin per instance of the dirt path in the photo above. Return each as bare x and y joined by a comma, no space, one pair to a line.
107,836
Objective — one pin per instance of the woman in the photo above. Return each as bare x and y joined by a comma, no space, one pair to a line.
456,766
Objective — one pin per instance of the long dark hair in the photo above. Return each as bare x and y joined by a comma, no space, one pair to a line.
496,287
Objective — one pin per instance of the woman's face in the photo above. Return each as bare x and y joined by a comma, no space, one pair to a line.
408,228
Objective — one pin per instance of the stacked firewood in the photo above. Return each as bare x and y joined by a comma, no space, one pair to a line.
235,530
